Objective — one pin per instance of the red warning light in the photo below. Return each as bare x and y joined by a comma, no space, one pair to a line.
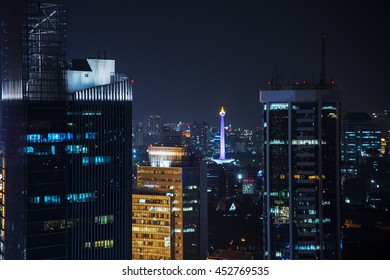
132,81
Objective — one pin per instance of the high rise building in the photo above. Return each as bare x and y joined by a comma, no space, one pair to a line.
171,137
200,136
99,152
33,133
301,171
152,129
170,207
65,151
360,138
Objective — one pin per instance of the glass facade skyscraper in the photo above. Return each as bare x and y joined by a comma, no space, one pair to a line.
301,172
99,196
33,133
65,144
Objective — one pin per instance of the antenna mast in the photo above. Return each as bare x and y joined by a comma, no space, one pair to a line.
323,73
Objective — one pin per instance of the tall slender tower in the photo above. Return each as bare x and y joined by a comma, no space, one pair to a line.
222,113
301,172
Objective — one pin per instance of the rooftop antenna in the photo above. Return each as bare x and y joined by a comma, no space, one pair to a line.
98,54
323,73
105,54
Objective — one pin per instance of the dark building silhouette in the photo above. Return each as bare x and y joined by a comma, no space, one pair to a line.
301,171
33,133
65,157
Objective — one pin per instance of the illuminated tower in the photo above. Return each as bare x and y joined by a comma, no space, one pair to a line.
222,159
222,113
169,207
301,172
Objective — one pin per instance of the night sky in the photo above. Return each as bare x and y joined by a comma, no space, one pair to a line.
188,58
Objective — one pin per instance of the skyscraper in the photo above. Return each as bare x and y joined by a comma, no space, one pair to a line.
360,137
200,136
170,207
65,157
301,171
99,153
33,133
152,129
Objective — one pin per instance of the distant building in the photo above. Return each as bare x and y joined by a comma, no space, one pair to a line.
249,186
171,138
170,207
301,171
200,137
152,129
360,138
137,133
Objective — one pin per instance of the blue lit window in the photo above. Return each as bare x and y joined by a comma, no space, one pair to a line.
76,149
51,199
50,137
278,106
28,150
81,197
90,135
34,200
34,138
56,137
98,160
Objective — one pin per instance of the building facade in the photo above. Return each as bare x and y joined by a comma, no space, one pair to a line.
301,172
360,138
33,133
170,207
65,145
99,160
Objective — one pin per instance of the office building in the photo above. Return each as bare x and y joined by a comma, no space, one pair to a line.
99,152
170,207
33,133
152,129
360,138
65,144
301,171
200,137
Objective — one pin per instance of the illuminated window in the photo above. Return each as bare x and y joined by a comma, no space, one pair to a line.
76,149
28,150
98,160
104,243
90,135
51,199
50,137
81,197
54,225
278,106
103,220
35,200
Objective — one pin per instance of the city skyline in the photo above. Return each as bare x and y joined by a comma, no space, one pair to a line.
199,54
88,174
